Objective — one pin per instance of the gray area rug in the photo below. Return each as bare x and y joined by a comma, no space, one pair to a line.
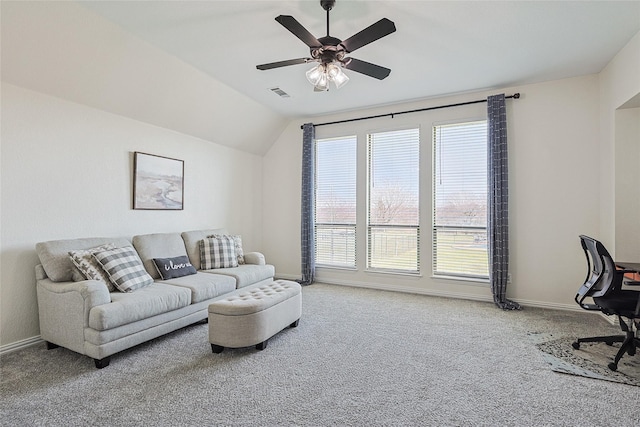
359,357
590,360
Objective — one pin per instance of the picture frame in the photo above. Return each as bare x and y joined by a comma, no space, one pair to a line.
158,182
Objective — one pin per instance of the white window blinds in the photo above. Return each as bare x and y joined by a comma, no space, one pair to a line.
335,209
460,200
393,208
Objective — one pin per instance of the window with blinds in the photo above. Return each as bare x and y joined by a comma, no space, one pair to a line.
393,204
460,200
335,208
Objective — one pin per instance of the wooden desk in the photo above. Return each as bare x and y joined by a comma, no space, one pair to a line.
634,267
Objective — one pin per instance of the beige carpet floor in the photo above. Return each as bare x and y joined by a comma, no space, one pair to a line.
359,357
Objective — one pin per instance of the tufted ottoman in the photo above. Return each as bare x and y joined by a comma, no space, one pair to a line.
252,315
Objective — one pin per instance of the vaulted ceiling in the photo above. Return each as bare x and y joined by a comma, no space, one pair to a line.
439,48
191,65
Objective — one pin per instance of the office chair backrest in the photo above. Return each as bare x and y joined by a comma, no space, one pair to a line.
601,272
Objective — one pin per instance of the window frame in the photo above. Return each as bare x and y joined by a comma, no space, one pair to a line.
470,277
344,225
368,224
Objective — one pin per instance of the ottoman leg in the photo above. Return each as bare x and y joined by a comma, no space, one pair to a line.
262,345
295,324
216,348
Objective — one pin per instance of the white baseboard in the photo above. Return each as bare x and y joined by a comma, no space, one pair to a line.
549,305
395,288
19,345
287,277
611,319
387,287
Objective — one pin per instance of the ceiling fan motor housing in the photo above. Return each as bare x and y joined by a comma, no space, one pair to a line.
330,51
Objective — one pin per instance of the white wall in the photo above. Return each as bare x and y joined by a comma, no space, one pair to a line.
553,141
67,172
64,49
627,184
619,83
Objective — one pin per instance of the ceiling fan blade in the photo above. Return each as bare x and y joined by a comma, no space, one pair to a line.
382,28
364,67
290,23
283,63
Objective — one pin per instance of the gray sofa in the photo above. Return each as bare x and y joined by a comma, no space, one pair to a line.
84,316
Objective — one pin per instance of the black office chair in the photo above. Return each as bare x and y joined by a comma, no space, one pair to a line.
604,285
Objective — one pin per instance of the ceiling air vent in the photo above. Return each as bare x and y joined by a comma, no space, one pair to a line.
280,92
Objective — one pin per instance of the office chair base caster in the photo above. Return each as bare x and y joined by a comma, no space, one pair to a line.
613,366
576,345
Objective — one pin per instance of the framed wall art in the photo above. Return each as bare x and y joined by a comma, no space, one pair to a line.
158,182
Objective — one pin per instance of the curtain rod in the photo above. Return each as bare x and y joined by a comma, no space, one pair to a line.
514,96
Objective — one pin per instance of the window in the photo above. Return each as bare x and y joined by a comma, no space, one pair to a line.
335,210
393,210
460,200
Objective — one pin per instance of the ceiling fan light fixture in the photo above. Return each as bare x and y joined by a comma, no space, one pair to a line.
315,74
320,76
323,82
338,76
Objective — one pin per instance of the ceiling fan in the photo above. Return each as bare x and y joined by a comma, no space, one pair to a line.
330,52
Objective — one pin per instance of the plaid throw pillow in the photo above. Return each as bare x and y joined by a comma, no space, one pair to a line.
218,252
238,242
125,269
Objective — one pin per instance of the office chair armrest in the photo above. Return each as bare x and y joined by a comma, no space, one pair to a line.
590,306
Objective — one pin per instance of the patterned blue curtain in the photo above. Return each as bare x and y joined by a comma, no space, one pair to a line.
308,250
498,201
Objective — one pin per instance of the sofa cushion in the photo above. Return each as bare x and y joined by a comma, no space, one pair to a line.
192,243
246,274
89,267
204,286
124,268
149,301
54,254
170,268
218,252
158,245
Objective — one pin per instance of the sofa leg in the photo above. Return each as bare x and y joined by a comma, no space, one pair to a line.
295,324
51,346
102,363
217,349
262,345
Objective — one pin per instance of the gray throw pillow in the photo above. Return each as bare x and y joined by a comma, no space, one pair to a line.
170,268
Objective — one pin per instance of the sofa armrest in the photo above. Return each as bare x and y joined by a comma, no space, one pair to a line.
254,258
92,292
64,307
